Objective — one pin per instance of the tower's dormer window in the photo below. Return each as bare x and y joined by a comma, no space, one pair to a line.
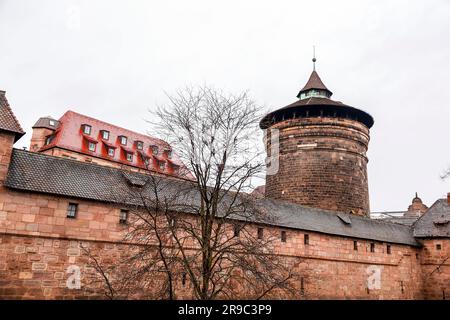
139,145
49,139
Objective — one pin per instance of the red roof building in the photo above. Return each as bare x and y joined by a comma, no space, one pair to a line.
87,139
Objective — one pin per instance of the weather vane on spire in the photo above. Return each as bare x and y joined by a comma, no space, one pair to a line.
314,58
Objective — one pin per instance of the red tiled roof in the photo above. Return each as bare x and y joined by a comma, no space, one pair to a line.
8,120
109,145
173,163
160,159
70,136
143,154
128,150
89,138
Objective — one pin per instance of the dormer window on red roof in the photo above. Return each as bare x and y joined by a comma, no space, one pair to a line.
105,135
154,150
86,129
129,157
123,140
92,146
93,138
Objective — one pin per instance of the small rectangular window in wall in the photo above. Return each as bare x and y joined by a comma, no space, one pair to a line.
123,140
438,246
72,210
260,233
283,236
111,152
236,230
123,216
306,239
355,245
388,249
372,247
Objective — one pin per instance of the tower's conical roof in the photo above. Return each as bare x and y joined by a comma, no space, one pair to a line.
314,101
314,83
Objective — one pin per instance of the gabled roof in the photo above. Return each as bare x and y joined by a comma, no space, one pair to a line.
314,82
35,172
8,120
435,223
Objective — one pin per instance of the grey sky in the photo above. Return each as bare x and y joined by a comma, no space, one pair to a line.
113,60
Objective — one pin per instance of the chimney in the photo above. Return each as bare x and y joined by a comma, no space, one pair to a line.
448,198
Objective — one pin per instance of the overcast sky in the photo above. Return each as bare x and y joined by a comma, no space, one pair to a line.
113,60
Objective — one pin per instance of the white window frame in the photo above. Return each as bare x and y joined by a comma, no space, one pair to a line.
87,129
92,144
105,132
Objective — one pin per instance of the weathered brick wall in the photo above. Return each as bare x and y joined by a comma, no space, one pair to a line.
6,143
38,138
38,243
322,164
436,268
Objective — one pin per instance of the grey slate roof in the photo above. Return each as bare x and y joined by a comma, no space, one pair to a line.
407,221
312,219
435,223
401,217
47,174
46,122
8,120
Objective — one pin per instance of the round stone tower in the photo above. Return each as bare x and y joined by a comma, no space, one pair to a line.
317,152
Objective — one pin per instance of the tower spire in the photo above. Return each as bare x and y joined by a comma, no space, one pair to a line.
314,58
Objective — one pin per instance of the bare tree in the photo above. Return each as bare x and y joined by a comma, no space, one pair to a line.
203,237
446,174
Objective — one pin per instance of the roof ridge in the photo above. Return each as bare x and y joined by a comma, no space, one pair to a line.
334,213
113,125
91,164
